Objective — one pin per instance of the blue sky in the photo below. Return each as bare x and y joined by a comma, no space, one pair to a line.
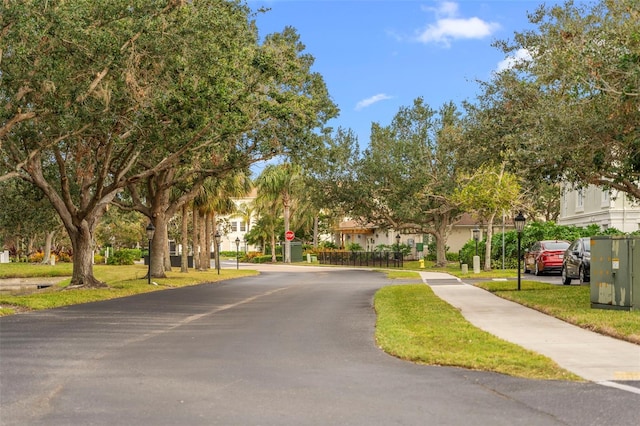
379,55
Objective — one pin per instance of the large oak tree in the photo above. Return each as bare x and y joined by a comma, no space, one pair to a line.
405,179
101,95
585,63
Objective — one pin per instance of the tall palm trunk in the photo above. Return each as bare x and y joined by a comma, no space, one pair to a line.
184,260
286,201
196,238
273,247
202,235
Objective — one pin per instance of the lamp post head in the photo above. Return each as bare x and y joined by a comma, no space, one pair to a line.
217,237
519,222
237,242
398,238
476,233
150,231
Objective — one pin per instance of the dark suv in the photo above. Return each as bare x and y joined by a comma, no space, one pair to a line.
577,262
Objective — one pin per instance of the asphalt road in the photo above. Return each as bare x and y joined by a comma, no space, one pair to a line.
282,348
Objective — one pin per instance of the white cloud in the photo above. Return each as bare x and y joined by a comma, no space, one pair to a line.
372,100
449,26
522,55
445,8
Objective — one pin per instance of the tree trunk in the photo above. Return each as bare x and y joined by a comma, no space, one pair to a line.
208,230
167,253
158,244
441,233
184,237
273,247
81,243
196,239
315,231
488,240
287,243
46,260
204,261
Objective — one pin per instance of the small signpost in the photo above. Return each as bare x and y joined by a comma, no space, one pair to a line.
289,235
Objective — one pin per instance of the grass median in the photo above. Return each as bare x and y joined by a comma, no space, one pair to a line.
570,303
122,281
415,325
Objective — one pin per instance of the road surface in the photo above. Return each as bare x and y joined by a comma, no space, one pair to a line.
292,346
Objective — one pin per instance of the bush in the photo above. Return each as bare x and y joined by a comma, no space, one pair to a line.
327,245
354,247
265,258
432,252
124,257
62,256
535,231
36,257
453,257
98,259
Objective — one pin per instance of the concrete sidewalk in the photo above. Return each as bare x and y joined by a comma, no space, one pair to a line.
592,356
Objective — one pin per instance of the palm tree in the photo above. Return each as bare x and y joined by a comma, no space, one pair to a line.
267,226
217,199
281,183
246,212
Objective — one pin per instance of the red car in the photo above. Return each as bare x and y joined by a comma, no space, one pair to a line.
545,256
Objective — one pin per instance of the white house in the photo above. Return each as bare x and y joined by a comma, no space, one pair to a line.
596,205
236,226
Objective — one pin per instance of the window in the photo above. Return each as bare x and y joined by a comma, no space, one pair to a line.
606,198
243,226
580,199
234,226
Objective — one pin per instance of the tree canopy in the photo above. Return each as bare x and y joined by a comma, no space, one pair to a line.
584,73
102,95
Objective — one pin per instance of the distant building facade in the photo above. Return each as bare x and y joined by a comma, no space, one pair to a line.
600,206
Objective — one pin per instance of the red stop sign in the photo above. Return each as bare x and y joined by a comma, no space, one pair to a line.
289,235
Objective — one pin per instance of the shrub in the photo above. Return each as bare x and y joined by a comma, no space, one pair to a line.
36,257
533,232
327,245
265,258
354,247
63,257
98,258
124,257
432,251
453,257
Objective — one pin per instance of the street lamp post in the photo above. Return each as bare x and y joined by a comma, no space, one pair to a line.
150,231
519,222
398,248
476,258
476,237
217,238
237,249
245,244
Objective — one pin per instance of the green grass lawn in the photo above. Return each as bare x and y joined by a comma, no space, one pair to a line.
122,281
415,325
571,304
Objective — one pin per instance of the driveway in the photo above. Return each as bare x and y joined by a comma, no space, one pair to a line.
292,346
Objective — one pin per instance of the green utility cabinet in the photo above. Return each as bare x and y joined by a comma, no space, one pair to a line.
615,272
296,251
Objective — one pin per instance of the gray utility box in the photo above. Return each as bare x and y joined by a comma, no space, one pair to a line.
615,272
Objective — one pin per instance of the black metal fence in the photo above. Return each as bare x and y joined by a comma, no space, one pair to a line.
387,259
